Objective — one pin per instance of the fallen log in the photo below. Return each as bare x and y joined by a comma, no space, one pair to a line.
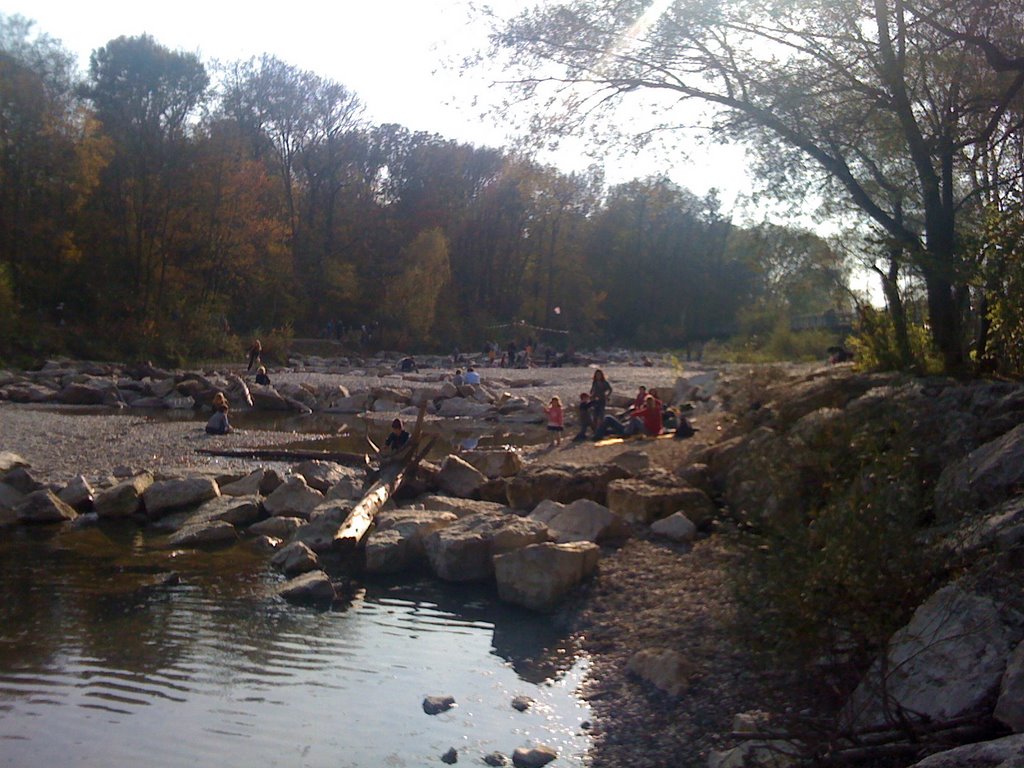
357,524
281,454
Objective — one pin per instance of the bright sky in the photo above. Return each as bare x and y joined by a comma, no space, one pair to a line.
399,56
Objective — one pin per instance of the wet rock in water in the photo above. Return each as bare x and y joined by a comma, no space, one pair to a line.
496,759
450,757
78,494
43,507
9,461
314,587
534,757
293,499
9,500
396,543
318,534
167,495
464,550
206,534
583,520
278,527
295,558
124,499
265,544
459,478
21,479
234,510
522,703
677,527
435,705
665,669
539,576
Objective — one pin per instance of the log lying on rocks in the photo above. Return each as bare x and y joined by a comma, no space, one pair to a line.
393,471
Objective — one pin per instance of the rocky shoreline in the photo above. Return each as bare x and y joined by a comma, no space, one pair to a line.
632,545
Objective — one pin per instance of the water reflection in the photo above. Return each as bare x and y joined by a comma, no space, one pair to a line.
113,651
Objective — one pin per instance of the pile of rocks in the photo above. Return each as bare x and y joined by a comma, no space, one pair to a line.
537,546
959,660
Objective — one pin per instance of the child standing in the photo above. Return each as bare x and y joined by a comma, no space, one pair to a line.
556,419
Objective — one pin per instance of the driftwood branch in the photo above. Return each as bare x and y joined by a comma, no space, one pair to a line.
281,454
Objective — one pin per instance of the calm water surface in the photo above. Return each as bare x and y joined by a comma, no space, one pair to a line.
105,661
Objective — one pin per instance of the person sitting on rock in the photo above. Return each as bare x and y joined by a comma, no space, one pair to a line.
458,380
398,438
261,377
645,420
218,423
408,365
641,397
472,377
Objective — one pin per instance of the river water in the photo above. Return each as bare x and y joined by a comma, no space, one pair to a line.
115,652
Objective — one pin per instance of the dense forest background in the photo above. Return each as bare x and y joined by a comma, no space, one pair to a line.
160,206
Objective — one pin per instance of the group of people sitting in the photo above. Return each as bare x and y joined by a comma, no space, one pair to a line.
647,415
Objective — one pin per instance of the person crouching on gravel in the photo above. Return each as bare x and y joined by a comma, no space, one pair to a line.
218,423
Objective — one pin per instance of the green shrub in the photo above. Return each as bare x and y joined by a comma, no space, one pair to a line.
875,349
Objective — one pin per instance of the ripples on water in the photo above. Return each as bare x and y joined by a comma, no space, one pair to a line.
105,663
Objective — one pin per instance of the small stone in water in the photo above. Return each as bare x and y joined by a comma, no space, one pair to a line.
434,705
521,703
451,756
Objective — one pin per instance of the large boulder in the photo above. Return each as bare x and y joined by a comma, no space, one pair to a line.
655,495
323,475
562,483
458,478
235,510
460,507
677,527
503,463
259,481
986,476
1006,752
540,575
10,498
314,587
460,407
397,540
946,663
89,392
9,461
324,520
168,495
464,550
294,498
22,479
583,520
1010,706
124,499
43,506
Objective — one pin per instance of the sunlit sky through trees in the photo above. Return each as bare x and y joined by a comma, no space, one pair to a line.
401,57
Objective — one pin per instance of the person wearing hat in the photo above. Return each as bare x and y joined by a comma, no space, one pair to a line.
398,438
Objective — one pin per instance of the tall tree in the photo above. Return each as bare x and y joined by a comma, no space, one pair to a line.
884,98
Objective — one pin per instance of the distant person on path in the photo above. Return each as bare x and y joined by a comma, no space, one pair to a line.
254,354
472,377
600,389
556,419
398,438
261,377
218,423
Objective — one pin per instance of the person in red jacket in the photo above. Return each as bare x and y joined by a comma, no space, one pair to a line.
645,420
